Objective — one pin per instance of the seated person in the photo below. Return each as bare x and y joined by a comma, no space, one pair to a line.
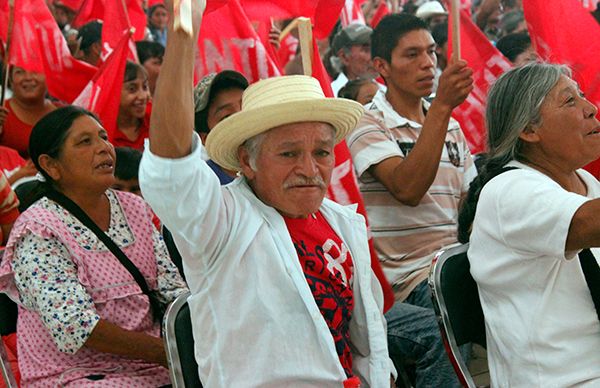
280,276
517,48
361,90
134,115
150,55
126,170
216,97
83,319
528,225
89,38
27,105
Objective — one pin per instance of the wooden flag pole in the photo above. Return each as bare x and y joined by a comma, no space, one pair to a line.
304,26
11,22
306,46
455,12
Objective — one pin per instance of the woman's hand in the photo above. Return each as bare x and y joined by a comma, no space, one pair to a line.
110,338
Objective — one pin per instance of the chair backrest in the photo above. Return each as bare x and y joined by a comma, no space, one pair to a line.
5,368
8,315
457,306
179,344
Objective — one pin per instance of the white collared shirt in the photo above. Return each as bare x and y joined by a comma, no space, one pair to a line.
254,317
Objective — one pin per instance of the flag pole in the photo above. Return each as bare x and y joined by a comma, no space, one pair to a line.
306,47
11,22
455,12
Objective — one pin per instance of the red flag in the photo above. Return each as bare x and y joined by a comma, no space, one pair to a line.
343,187
352,13
324,13
590,5
228,41
576,46
102,94
116,19
381,11
487,64
38,45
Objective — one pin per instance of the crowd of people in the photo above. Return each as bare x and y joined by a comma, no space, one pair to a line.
220,188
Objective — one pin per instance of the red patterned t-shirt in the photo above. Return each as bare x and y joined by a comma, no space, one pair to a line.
328,268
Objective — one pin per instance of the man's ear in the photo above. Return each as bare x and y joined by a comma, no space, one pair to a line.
244,158
530,134
382,66
50,166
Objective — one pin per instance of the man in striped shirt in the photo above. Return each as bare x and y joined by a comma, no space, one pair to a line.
413,166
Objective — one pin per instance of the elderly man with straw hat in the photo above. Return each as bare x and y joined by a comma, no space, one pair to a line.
282,289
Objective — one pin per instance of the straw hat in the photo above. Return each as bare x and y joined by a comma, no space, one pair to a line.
278,101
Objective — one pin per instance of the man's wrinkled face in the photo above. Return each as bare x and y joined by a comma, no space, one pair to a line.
293,167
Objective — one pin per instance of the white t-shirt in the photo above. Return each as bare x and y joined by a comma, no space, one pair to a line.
541,324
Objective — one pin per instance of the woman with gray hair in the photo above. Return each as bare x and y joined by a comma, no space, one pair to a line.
531,218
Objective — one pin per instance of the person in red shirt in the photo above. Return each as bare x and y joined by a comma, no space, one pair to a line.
27,105
134,117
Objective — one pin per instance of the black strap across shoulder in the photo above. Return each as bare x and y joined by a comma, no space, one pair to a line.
76,211
589,265
591,271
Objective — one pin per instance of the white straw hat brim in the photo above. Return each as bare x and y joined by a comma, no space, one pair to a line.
225,138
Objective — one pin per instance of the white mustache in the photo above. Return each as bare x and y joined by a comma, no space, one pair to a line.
305,181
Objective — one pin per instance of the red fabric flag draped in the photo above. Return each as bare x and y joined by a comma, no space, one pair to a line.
324,13
343,187
102,94
381,11
564,32
228,41
487,64
38,45
352,13
116,19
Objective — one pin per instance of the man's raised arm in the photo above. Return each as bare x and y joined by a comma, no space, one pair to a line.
172,121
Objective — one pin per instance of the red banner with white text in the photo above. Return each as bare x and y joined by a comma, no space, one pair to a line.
38,45
227,41
102,94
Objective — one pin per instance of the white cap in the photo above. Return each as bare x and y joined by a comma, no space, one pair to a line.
429,9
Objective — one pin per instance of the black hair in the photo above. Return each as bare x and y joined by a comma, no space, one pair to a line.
146,50
440,34
127,163
512,45
351,89
389,31
89,34
48,137
132,70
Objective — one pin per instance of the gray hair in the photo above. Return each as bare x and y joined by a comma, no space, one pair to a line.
514,103
253,146
336,62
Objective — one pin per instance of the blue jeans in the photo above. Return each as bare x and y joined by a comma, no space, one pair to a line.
414,335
